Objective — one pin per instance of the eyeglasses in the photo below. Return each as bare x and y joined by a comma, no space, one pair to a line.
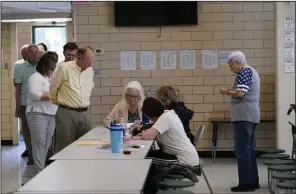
132,96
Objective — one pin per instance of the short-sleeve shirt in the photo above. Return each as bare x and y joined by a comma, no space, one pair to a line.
23,73
246,108
173,139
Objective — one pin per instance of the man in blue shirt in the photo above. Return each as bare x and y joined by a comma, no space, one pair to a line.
23,73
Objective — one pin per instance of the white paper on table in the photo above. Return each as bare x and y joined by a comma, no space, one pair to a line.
148,60
289,69
288,20
128,60
209,59
288,27
187,59
289,34
168,59
289,41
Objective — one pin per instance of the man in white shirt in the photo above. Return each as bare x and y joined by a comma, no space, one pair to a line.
171,137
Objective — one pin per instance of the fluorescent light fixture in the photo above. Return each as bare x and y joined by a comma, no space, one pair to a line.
45,20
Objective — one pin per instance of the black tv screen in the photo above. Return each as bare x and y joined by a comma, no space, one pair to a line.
155,13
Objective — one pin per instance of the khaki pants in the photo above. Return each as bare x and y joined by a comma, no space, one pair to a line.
26,132
70,126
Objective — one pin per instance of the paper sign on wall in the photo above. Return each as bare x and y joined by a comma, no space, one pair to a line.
148,60
128,60
168,59
187,59
224,57
289,45
209,59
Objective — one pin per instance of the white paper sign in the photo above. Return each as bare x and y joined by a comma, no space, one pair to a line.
224,58
289,41
187,59
288,27
168,59
288,21
289,34
289,55
289,62
128,60
209,59
148,60
289,48
289,69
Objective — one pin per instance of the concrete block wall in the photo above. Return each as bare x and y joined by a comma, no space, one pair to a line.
6,93
245,26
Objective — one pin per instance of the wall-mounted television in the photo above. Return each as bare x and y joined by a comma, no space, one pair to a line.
155,13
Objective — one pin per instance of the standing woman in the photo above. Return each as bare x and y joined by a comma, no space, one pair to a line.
40,111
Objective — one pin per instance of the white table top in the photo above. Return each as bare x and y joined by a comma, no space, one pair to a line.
96,133
90,176
92,152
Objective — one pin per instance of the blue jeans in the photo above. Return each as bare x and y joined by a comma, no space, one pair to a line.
244,143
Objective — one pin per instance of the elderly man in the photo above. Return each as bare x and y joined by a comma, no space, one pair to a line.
23,73
24,54
71,89
245,115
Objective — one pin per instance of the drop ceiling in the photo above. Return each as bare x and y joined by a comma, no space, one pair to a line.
35,10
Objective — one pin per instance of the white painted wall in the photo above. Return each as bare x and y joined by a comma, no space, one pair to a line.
285,82
44,6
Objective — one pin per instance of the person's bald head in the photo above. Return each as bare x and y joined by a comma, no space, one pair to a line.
85,56
33,54
24,51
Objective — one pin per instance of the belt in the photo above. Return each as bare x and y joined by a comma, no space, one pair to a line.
74,109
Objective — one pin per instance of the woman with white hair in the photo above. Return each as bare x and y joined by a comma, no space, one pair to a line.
245,115
130,105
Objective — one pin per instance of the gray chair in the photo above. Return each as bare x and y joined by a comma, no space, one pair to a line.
274,156
175,192
269,151
288,187
279,169
175,184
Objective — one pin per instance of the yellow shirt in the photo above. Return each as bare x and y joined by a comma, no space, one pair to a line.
71,86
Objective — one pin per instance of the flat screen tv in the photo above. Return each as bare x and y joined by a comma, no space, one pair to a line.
155,13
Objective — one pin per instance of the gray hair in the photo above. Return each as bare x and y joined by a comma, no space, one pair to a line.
237,56
24,47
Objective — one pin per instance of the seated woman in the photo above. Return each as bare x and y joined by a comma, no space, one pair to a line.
171,138
130,105
40,112
168,96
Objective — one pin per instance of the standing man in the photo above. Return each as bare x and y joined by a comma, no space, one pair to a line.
71,89
245,115
23,73
24,55
70,53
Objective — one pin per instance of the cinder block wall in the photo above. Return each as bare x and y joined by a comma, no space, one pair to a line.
249,27
6,95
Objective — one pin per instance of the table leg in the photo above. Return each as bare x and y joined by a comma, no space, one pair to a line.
215,134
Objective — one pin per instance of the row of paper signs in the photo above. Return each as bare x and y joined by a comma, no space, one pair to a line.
289,45
168,59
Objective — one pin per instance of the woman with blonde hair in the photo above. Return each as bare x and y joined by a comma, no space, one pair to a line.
168,96
130,105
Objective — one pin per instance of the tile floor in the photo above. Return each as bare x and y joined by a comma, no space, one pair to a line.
222,175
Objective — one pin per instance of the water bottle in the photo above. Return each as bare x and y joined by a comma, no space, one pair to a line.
127,143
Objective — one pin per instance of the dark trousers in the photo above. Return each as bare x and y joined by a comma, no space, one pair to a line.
244,142
26,132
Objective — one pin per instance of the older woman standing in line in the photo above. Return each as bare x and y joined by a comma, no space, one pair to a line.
245,115
40,112
130,105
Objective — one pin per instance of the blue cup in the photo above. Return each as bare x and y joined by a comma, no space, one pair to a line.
116,137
